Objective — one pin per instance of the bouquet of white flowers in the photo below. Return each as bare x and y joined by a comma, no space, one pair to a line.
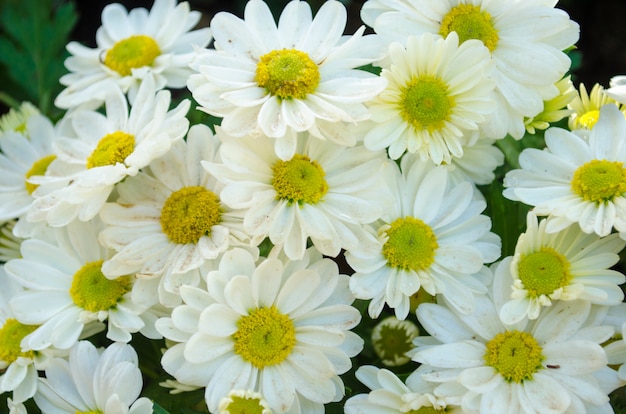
266,214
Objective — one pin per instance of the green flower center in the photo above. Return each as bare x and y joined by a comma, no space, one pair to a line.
589,119
287,74
39,167
189,213
544,271
425,104
392,339
264,337
244,405
469,22
11,335
299,180
92,291
131,53
113,148
599,180
515,355
411,244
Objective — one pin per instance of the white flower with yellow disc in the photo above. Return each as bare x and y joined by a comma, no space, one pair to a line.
433,238
103,149
586,107
526,40
279,328
437,96
566,265
299,75
129,47
576,180
66,294
169,222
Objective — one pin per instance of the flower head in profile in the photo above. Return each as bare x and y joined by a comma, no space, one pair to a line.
527,62
576,179
16,119
129,47
553,364
277,328
437,95
586,107
554,109
93,380
169,222
101,150
435,238
279,79
565,265
325,192
67,296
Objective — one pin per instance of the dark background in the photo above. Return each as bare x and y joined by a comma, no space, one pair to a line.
602,24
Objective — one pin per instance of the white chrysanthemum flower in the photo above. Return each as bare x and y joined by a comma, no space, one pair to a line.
392,338
130,47
325,192
93,381
528,62
576,180
16,119
277,328
566,265
66,292
169,222
23,155
390,395
299,75
586,107
554,364
434,238
438,94
105,149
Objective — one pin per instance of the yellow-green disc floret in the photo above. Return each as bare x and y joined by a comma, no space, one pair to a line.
299,180
189,213
113,148
11,335
515,355
287,74
410,245
544,271
131,53
425,103
92,291
599,180
470,22
39,167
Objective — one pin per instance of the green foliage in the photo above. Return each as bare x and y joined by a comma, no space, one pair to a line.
33,35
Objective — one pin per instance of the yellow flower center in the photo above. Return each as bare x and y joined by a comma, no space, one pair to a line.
469,22
11,335
111,149
425,104
39,167
544,271
411,244
247,403
264,337
599,180
589,119
515,355
287,74
92,291
299,180
189,213
131,53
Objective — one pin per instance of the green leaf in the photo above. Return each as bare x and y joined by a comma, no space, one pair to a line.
33,36
157,409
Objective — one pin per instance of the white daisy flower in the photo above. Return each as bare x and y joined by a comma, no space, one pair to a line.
66,292
299,75
389,394
15,120
277,328
576,180
554,364
438,94
434,238
528,62
129,47
105,149
93,381
566,265
23,155
167,223
586,107
325,192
